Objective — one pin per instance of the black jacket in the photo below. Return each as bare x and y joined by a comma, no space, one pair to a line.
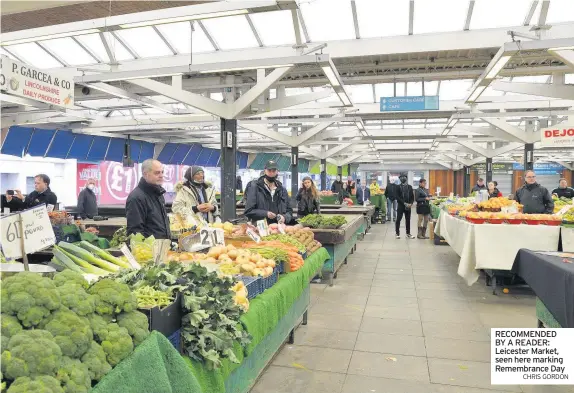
564,192
258,201
337,186
405,194
33,199
363,195
535,198
145,211
344,193
239,185
306,204
87,204
391,191
477,188
421,195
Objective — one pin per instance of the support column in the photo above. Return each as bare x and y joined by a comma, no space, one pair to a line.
466,183
340,172
294,172
454,182
529,156
349,170
488,170
323,174
228,168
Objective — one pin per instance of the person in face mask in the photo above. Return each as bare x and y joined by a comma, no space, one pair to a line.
195,197
88,201
266,198
405,199
337,185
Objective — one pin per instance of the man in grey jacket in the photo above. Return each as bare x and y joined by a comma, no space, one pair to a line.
87,201
535,198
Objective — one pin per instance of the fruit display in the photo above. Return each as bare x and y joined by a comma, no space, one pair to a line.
569,215
63,334
456,209
510,218
279,252
326,193
288,239
142,248
496,204
240,297
227,227
85,258
179,224
559,203
322,221
305,236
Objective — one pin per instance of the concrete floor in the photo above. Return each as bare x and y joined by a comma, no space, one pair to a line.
399,320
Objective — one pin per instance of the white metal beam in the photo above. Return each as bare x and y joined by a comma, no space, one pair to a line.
295,19
536,89
274,135
566,55
355,19
52,54
337,150
126,46
514,131
89,51
287,101
411,16
303,26
254,30
300,139
543,13
491,131
530,13
165,40
468,15
209,36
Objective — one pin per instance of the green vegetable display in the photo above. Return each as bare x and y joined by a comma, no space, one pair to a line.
113,297
288,240
41,384
276,254
149,297
321,221
120,236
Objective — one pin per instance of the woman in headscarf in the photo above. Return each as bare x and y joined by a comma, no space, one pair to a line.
308,198
196,197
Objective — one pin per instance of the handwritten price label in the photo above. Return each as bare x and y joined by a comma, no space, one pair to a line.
205,238
38,233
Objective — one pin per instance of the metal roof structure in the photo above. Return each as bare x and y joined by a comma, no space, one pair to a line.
311,73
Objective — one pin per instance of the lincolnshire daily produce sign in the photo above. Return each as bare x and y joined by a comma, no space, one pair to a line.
557,135
23,80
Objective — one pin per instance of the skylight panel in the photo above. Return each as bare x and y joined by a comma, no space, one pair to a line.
432,17
94,42
36,56
69,51
378,18
178,34
145,41
275,28
328,20
231,32
489,14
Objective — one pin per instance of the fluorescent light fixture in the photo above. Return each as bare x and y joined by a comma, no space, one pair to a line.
49,37
164,21
330,74
112,79
499,65
561,48
476,93
245,68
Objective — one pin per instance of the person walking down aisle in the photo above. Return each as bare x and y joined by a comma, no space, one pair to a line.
563,190
145,206
351,186
266,198
87,201
337,185
308,198
42,194
391,195
405,200
343,194
363,194
195,197
535,198
423,197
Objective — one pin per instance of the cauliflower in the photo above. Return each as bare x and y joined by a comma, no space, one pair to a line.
70,277
95,360
72,333
137,325
31,353
74,376
30,297
40,384
113,297
117,344
77,299
10,325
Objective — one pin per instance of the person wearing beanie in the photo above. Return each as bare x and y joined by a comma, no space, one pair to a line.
307,198
195,197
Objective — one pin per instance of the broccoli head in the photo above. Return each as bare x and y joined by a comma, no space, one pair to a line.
99,325
95,360
31,353
137,325
30,297
117,344
113,297
74,376
68,277
40,384
77,299
72,333
4,343
10,325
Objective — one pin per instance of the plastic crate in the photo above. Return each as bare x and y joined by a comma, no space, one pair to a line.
175,340
253,284
166,320
268,282
279,267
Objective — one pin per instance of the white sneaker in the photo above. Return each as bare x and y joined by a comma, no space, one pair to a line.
410,236
397,236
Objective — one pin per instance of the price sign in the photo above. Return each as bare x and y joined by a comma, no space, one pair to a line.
253,235
205,238
38,232
262,227
131,259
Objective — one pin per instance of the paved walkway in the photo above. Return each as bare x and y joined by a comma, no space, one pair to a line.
399,320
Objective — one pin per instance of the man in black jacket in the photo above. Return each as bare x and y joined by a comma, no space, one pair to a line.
405,200
563,190
145,206
479,185
87,201
41,195
267,198
391,195
535,198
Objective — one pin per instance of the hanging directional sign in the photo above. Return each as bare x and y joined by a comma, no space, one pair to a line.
409,103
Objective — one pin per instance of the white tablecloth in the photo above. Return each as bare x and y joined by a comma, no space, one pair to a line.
492,246
567,239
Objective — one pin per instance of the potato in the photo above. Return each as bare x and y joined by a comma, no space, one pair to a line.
261,264
268,271
271,263
230,247
233,254
255,258
209,260
223,256
247,267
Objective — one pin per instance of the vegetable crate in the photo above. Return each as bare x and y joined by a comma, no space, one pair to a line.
269,281
175,340
165,320
253,284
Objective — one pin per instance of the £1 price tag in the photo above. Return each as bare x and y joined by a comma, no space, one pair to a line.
128,254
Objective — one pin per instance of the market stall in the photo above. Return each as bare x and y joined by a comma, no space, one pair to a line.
379,201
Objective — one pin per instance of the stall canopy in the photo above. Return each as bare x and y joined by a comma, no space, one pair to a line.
66,144
283,162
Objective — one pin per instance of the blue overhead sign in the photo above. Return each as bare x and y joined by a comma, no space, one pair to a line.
409,103
543,168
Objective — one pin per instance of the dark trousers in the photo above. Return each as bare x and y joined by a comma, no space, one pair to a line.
401,209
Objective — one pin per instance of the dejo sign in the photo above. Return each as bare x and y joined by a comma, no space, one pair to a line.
558,135
22,80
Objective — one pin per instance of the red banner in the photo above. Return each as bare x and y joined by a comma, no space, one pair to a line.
85,172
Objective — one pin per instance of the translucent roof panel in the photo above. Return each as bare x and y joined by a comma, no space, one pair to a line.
297,91
488,14
431,88
32,54
531,79
430,16
490,92
328,20
384,90
231,32
560,11
145,41
454,89
94,42
274,28
361,94
569,78
2,51
381,18
69,51
415,89
178,34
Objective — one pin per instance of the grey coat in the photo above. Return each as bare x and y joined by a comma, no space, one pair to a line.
535,198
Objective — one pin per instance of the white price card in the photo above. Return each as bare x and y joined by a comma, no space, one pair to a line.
38,232
130,257
262,227
205,238
532,356
253,235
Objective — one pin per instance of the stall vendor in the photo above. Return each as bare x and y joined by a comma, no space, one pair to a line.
42,194
563,190
535,198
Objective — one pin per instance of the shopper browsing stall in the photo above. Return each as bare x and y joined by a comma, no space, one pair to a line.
493,192
145,206
195,197
391,196
343,194
87,201
266,198
535,198
337,185
308,198
363,194
422,197
405,200
479,185
563,191
351,186
239,184
42,195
